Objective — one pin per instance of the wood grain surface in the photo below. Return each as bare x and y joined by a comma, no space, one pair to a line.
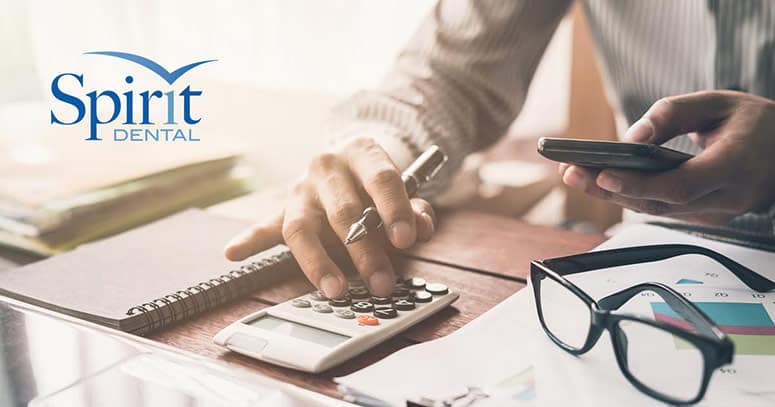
497,245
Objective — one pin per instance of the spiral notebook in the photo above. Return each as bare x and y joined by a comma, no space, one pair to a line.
149,277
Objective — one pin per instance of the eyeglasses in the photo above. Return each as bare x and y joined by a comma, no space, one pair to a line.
574,321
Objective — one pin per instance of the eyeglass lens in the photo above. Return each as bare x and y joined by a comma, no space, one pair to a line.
647,350
565,315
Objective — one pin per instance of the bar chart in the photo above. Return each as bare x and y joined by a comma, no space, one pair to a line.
747,324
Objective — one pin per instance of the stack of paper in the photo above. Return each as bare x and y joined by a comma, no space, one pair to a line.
504,357
59,192
491,354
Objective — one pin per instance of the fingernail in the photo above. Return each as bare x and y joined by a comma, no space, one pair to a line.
232,249
381,283
640,132
562,167
609,182
401,234
236,240
330,286
574,178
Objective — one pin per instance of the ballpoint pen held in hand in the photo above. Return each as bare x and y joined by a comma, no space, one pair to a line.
417,174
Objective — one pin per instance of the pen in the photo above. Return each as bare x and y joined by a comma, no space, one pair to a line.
417,174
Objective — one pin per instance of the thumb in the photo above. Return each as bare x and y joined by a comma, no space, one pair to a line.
255,239
672,116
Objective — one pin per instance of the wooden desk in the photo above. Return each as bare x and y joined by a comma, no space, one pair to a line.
483,257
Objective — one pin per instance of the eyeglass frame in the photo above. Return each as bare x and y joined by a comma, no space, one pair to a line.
716,348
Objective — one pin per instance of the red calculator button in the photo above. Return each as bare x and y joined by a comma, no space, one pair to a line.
367,320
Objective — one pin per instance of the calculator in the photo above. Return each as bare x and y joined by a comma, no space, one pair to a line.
313,333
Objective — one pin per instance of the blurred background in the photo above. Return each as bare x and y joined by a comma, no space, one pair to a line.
282,65
309,53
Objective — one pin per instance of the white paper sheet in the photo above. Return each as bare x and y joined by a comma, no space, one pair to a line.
506,354
595,378
487,353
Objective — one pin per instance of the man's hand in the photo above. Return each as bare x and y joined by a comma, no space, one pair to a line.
734,174
320,208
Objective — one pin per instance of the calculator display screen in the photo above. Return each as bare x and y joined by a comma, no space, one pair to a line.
299,331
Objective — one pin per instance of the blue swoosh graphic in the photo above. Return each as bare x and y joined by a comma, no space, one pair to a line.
168,76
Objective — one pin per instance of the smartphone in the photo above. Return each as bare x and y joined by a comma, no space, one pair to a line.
611,154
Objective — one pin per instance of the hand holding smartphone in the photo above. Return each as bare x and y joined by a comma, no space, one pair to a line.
611,154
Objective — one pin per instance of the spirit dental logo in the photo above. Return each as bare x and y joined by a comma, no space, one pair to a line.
122,107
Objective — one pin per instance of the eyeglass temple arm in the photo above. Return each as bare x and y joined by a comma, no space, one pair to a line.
678,303
643,254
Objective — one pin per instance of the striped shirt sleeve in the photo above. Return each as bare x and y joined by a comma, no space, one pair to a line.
459,83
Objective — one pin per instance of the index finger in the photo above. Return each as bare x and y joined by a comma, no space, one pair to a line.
301,228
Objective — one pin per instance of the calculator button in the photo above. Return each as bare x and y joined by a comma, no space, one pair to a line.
344,313
400,292
415,282
360,293
362,306
403,305
322,308
381,300
385,313
356,283
301,303
436,288
422,296
367,320
339,302
318,296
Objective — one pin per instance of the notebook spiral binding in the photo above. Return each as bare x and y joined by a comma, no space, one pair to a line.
185,303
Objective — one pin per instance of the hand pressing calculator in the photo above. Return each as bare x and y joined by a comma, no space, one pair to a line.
313,333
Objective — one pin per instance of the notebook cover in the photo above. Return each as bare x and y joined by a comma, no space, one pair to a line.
101,281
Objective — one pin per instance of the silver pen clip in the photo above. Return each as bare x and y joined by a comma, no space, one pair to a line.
427,164
437,169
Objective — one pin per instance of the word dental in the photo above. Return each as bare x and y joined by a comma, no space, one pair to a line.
124,108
